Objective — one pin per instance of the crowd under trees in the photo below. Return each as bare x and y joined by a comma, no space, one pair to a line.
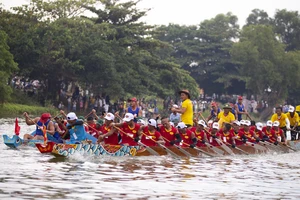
115,52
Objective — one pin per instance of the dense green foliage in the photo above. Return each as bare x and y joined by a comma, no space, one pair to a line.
115,53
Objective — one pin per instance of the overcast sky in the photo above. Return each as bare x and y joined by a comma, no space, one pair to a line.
191,12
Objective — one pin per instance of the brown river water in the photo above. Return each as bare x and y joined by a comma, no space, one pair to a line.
28,174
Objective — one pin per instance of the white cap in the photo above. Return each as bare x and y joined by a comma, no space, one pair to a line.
291,109
109,116
237,123
140,121
259,126
247,123
71,116
215,125
175,106
181,125
276,123
172,124
128,117
269,123
210,122
242,122
201,122
152,122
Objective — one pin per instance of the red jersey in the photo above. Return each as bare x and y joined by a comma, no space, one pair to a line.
168,134
271,134
112,139
252,128
199,135
211,140
186,138
227,137
92,130
259,133
132,132
148,137
278,133
249,135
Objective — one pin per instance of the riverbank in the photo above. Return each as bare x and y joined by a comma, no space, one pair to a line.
8,110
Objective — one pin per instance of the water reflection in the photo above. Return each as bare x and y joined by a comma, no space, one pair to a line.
27,174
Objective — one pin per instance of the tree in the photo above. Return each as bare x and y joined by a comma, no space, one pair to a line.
287,24
258,16
7,67
265,64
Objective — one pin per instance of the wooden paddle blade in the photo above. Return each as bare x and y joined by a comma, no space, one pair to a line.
149,149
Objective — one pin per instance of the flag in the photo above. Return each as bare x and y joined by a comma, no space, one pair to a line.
45,135
17,127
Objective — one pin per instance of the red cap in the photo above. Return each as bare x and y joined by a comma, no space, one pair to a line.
45,117
213,104
133,99
240,98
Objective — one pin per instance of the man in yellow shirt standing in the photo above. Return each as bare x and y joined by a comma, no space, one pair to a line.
284,122
294,119
226,116
186,109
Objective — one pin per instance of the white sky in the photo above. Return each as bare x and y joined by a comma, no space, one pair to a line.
192,12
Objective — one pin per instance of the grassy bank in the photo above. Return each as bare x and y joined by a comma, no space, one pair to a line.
16,110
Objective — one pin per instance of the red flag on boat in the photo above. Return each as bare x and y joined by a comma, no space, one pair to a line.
17,127
45,135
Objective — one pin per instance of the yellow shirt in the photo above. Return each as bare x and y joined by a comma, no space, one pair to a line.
281,119
187,116
298,108
293,120
225,119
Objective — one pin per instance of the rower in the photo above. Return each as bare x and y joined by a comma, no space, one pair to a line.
268,131
200,133
44,120
149,135
225,116
283,120
214,134
227,135
170,133
75,128
188,137
186,109
246,134
240,108
236,127
294,119
130,128
259,133
109,134
215,110
92,127
279,132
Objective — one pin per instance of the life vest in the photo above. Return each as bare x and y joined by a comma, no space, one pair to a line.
38,131
241,108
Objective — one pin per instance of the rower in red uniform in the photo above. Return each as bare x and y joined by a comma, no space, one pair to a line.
200,133
227,135
149,135
129,127
188,137
109,134
246,134
214,133
92,127
270,133
236,127
169,132
279,132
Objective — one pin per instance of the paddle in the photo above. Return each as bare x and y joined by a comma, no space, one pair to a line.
237,148
257,147
215,149
179,148
140,143
45,134
163,147
202,151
